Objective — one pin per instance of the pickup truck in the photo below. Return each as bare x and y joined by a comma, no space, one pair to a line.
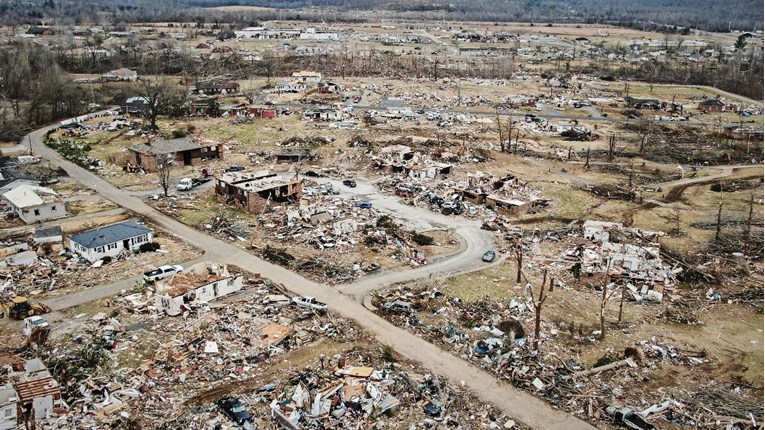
310,302
161,272
187,184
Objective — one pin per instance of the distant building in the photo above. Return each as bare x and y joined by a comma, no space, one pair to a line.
308,77
712,105
184,150
120,75
35,204
218,88
293,155
110,241
41,31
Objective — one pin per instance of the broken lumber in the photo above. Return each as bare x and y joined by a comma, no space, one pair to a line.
611,366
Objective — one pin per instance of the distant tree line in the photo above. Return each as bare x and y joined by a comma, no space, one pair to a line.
34,90
708,15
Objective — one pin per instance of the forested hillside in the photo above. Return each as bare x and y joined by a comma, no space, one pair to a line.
712,15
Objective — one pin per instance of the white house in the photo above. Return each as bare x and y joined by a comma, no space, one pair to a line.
110,241
35,204
291,87
308,77
8,399
200,283
120,75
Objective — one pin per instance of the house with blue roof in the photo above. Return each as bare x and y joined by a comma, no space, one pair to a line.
110,241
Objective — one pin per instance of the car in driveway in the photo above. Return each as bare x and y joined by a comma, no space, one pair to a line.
234,168
310,302
161,272
349,183
234,409
488,256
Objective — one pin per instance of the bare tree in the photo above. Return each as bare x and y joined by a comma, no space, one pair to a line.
603,301
501,134
268,64
751,216
165,163
162,98
538,303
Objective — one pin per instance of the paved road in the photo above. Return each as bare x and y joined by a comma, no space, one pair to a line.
520,405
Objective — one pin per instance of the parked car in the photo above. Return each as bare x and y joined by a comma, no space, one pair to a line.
310,302
234,409
364,205
349,183
161,272
488,256
234,168
33,322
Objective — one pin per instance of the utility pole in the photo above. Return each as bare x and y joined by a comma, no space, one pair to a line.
30,144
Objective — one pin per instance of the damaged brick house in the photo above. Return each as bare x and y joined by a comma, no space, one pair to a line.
184,150
508,195
252,191
200,283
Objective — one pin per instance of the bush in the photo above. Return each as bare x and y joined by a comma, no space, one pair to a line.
422,239
177,134
149,247
107,259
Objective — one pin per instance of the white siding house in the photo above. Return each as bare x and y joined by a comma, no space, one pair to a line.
35,204
200,283
110,241
308,77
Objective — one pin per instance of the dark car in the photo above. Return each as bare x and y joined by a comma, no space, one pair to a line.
234,168
488,256
349,183
363,205
234,409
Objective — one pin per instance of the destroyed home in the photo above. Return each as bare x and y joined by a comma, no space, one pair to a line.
324,113
712,105
35,204
217,88
637,103
253,191
185,151
626,253
294,155
200,283
135,105
110,241
38,392
52,234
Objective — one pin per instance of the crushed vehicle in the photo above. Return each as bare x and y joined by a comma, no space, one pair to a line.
234,409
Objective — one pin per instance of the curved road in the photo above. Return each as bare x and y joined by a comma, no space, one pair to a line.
520,405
